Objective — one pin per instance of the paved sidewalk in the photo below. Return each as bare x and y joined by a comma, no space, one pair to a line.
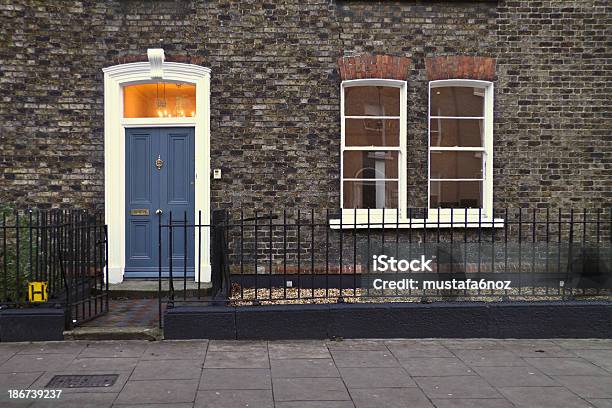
318,374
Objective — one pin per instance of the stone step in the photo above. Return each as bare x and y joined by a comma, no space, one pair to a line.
149,289
114,333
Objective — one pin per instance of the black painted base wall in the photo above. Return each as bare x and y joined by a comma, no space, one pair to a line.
32,324
390,320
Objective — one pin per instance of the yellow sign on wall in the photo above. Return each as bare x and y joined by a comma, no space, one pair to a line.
37,292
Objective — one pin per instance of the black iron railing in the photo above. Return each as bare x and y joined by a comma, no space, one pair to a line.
329,256
67,250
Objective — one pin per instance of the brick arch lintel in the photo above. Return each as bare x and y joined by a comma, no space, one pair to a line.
365,66
460,67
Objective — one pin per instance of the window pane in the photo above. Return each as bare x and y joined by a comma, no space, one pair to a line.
163,99
370,164
370,194
371,101
456,132
371,132
453,165
457,101
456,194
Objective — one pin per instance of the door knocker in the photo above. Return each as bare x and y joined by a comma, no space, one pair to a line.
159,162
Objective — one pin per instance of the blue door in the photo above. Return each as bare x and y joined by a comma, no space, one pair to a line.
160,176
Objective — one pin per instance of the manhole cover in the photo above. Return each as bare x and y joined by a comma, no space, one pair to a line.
82,381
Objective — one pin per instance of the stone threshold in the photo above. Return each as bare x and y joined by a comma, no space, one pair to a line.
149,288
114,333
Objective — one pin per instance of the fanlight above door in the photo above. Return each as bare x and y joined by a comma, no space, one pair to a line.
159,100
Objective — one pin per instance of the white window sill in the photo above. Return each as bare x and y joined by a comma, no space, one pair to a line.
415,223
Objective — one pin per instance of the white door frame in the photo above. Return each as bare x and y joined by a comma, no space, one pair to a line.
115,78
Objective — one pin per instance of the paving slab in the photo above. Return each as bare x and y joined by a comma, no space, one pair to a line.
528,343
168,370
234,399
18,380
236,379
412,342
237,359
599,387
8,350
101,364
389,398
171,405
357,344
492,358
111,349
565,366
154,392
536,348
436,367
403,349
292,350
601,358
13,348
472,403
53,347
11,403
456,387
310,367
315,404
35,363
237,345
515,377
358,358
584,344
66,400
543,397
176,350
472,344
360,377
601,403
309,389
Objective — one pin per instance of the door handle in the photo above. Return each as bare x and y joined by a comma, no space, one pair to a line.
159,211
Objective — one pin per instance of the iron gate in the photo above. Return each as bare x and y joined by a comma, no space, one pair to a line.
66,250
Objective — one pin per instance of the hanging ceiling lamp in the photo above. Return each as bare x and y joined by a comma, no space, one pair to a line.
160,101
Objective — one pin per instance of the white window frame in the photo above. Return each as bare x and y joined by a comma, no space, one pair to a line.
474,214
439,218
375,215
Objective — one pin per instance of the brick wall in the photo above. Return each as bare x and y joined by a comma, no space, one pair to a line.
553,93
275,91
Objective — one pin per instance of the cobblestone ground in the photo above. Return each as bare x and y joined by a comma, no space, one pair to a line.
317,374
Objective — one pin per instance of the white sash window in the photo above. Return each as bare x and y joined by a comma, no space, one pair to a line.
373,154
460,149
